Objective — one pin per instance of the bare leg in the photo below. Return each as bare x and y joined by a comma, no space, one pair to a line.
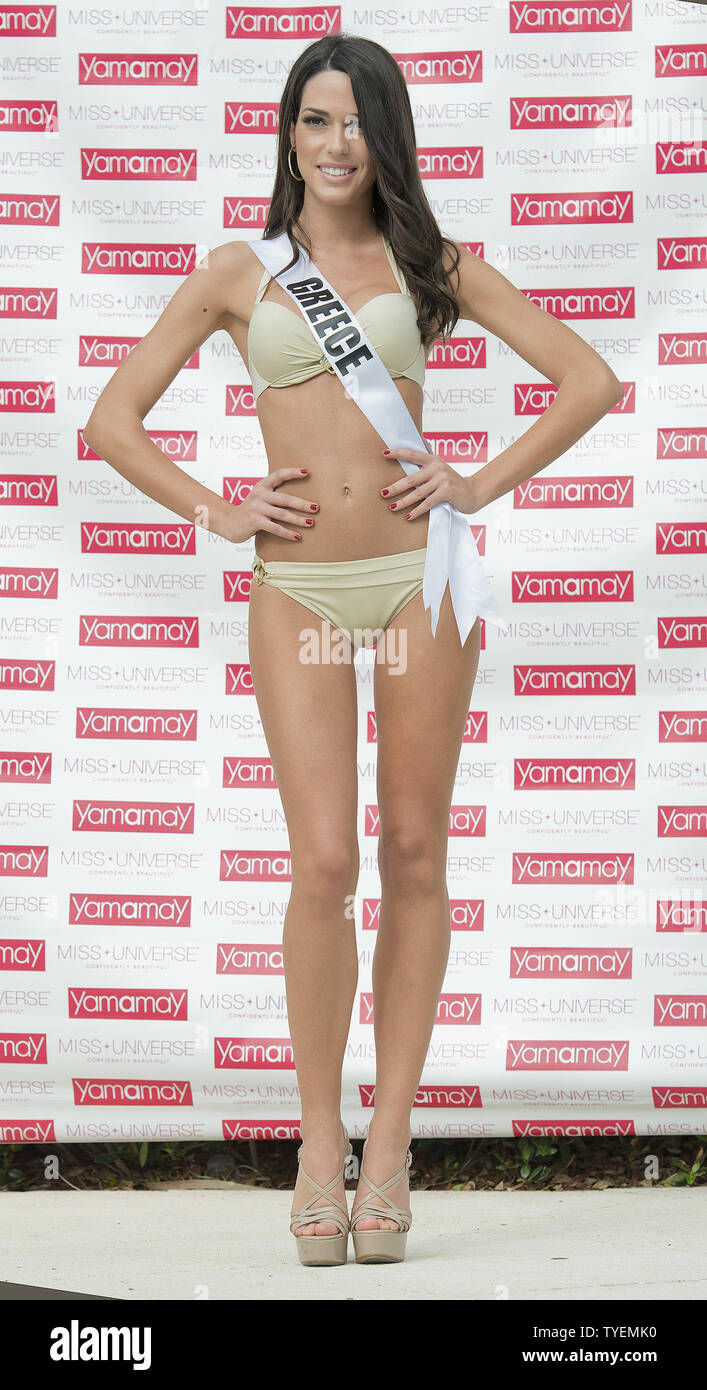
309,717
420,719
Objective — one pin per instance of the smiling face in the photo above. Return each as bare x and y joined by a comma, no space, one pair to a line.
330,151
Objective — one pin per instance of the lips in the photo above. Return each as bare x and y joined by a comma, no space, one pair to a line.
347,169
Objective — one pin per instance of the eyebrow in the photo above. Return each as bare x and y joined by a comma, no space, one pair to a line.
318,112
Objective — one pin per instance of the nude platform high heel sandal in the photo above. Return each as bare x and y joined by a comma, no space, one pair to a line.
322,1250
380,1246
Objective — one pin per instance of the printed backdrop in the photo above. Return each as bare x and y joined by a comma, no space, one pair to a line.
145,856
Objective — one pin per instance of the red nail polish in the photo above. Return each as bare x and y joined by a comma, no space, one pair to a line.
385,491
309,521
304,470
392,506
386,451
409,514
312,506
297,536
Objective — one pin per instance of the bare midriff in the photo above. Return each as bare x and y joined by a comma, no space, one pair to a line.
315,425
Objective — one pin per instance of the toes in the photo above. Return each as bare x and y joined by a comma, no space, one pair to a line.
374,1223
318,1228
364,1223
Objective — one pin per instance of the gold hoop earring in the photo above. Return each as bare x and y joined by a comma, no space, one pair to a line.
298,177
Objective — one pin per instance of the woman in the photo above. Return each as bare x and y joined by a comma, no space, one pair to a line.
333,500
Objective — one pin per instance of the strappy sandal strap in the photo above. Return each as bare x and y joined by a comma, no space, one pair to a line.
333,1214
321,1214
389,1212
338,1214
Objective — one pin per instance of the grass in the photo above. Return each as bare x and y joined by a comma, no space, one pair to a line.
543,1164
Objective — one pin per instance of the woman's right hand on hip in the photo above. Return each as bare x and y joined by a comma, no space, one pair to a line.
265,509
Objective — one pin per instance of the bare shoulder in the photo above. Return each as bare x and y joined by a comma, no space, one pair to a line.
221,287
449,247
467,271
483,294
237,270
487,297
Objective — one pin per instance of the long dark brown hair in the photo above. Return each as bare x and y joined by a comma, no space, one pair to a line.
399,205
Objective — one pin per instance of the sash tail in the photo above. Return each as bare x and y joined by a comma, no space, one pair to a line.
452,554
434,578
469,584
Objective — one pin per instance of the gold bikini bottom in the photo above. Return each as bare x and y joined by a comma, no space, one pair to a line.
359,597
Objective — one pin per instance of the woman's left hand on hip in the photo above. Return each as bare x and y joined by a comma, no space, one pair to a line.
435,481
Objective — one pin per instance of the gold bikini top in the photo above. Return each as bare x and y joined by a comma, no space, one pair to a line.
282,350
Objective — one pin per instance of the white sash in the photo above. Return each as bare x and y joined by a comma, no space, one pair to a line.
452,552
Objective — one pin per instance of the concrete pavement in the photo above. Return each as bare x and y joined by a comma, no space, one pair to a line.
232,1242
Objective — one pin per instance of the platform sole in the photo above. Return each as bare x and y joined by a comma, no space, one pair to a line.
321,1250
379,1247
